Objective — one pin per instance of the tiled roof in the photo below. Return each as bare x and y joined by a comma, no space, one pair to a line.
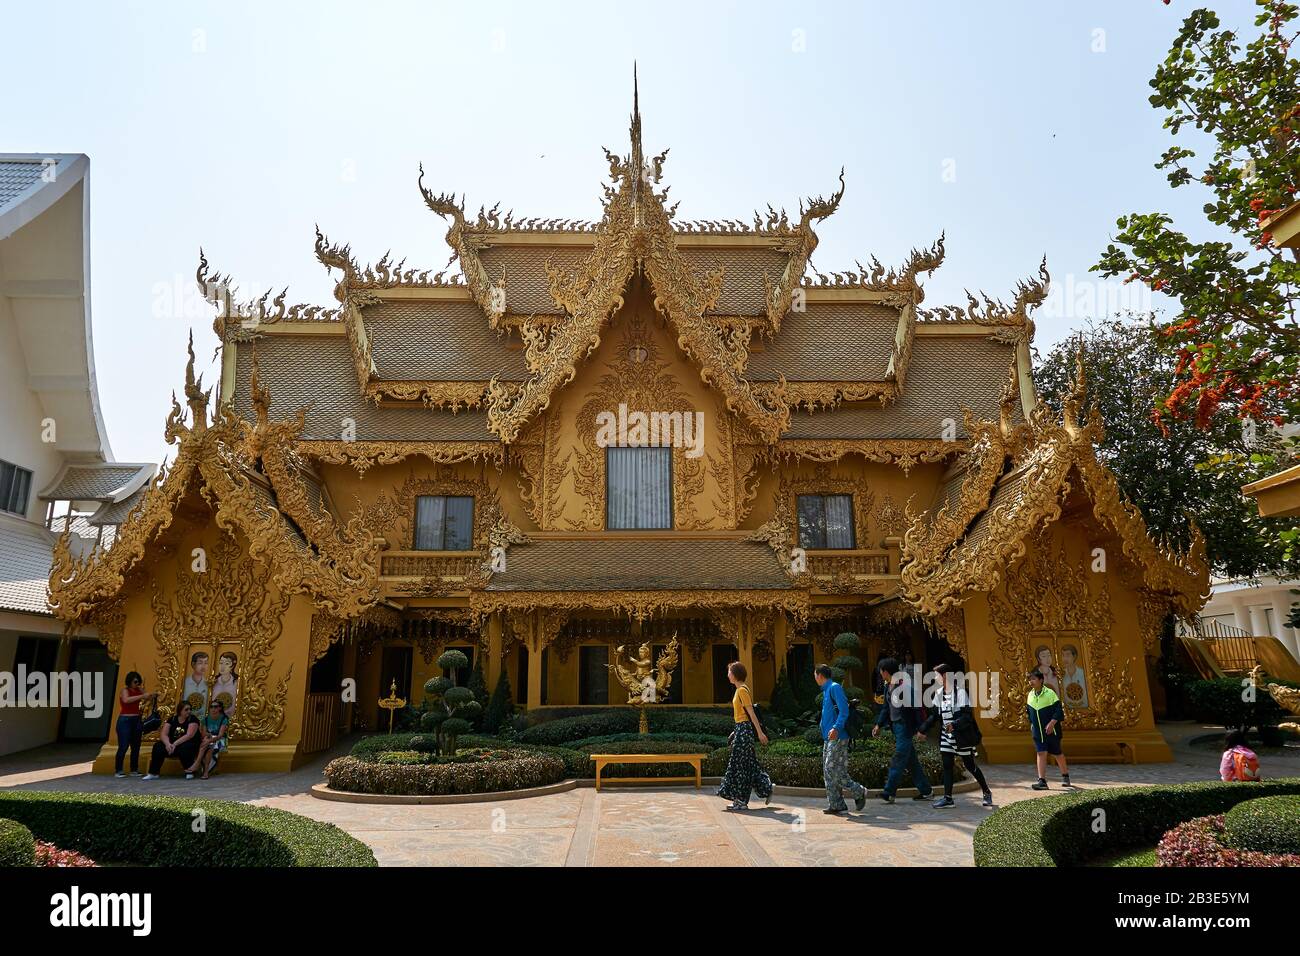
945,375
317,372
16,178
114,513
1008,494
742,276
527,287
829,342
95,482
439,340
26,553
652,564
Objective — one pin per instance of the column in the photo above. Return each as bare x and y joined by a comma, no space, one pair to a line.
493,670
1240,616
1287,635
780,641
1258,622
745,644
534,641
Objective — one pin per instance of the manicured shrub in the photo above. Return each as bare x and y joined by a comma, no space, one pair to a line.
1202,842
785,704
500,708
623,720
846,661
159,831
1223,701
1061,830
521,771
706,741
1266,825
17,845
479,690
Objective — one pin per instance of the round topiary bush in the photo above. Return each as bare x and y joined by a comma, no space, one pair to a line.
17,845
1265,825
161,831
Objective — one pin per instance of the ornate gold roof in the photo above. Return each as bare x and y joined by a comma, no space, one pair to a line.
248,475
1014,481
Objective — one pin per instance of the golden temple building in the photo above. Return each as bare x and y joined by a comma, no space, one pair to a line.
461,460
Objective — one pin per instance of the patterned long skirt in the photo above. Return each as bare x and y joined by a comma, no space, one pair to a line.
744,774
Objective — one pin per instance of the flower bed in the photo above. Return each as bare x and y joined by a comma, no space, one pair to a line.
47,854
1203,842
160,831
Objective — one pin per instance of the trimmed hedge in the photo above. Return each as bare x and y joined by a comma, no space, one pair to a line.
1062,830
486,776
17,845
159,831
706,742
797,763
563,731
1265,824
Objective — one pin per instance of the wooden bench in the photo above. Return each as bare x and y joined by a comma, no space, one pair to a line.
695,760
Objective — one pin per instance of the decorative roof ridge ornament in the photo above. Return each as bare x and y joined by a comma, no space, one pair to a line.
1013,321
779,295
239,321
902,283
491,296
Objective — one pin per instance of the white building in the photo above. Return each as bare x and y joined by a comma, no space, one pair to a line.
53,445
1258,607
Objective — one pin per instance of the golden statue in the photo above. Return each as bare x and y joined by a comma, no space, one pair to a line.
1288,698
646,681
392,703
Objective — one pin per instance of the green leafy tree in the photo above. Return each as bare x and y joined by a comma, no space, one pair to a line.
1126,367
501,707
1235,339
452,709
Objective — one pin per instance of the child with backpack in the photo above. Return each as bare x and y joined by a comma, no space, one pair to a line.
1239,761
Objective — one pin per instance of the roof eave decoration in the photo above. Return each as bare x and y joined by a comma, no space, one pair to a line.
937,577
340,569
491,296
780,295
635,234
1012,324
239,320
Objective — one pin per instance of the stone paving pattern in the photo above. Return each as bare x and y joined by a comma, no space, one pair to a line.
636,826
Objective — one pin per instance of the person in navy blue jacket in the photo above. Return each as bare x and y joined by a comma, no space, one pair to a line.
1046,717
902,713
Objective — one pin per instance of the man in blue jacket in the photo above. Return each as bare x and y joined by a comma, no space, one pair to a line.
835,745
901,712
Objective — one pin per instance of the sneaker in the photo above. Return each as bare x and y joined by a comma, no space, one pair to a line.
860,803
119,774
735,806
1041,785
150,776
887,797
923,796
833,811
1065,782
136,773
943,803
988,798
189,776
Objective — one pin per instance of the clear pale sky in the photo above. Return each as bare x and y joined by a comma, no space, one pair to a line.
1019,128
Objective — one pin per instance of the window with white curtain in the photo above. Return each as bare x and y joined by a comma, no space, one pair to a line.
825,522
639,488
444,523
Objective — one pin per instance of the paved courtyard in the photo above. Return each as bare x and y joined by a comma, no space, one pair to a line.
637,826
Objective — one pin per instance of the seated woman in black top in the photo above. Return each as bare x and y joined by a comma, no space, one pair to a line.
180,739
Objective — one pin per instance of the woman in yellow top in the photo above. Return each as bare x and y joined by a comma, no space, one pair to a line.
744,774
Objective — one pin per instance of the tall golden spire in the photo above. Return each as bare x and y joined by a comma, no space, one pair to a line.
637,159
